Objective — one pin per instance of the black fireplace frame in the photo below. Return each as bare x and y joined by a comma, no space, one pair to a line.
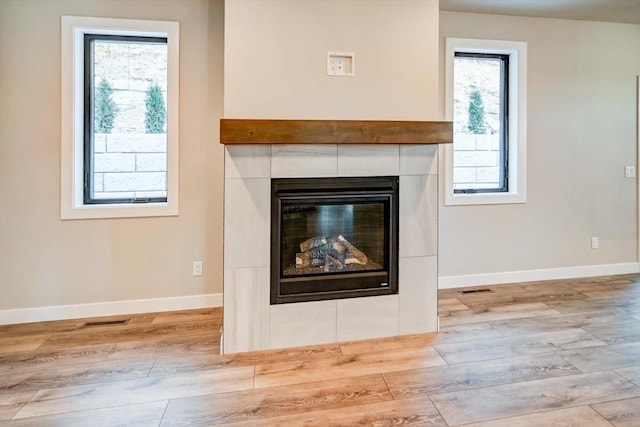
384,189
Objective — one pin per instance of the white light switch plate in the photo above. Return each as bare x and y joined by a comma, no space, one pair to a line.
629,171
197,268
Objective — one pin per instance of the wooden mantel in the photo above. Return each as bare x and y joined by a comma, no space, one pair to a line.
250,131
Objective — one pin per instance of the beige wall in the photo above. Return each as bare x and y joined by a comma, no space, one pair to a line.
275,59
581,134
45,261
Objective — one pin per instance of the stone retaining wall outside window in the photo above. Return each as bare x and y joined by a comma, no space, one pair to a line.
476,160
130,165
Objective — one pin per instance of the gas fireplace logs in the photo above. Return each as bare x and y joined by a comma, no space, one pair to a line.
333,253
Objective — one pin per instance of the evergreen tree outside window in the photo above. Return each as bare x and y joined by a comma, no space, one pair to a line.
476,113
156,113
105,108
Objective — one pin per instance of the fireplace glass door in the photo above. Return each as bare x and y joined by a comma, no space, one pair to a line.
333,238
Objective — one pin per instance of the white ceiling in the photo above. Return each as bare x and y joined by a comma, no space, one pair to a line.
626,11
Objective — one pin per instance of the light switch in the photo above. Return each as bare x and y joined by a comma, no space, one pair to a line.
629,171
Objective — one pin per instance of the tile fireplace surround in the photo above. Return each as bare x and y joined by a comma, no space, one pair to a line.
250,322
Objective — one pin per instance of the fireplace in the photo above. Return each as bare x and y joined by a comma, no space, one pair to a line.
251,321
333,238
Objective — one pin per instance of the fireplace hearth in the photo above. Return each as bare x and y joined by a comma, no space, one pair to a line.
333,238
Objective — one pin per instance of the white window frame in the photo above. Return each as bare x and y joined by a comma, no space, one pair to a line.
72,145
517,152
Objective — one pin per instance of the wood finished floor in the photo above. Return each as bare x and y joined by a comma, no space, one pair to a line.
555,353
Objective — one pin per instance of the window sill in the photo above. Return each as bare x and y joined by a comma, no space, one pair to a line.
120,210
484,199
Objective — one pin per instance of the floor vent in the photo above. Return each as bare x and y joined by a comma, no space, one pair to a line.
476,291
106,323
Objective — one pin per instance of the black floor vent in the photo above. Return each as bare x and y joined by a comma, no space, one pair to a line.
476,291
106,323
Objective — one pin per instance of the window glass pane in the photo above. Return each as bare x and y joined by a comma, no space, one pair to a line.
129,150
478,117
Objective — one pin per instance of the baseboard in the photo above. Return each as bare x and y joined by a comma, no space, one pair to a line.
113,308
448,282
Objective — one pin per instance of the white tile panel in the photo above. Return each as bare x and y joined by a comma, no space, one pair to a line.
368,317
418,295
368,160
300,324
418,215
247,161
304,161
247,213
419,159
246,309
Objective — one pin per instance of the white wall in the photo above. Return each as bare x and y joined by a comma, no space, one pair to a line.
48,262
275,59
581,134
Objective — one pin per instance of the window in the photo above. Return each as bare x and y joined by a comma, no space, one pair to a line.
125,141
486,100
480,120
120,118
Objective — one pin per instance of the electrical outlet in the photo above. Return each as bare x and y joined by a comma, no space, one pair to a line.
595,243
197,268
629,171
340,64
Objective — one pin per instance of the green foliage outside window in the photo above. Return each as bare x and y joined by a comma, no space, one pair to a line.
105,108
156,113
476,113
